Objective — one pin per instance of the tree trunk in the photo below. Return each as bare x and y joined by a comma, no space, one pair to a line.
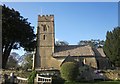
6,54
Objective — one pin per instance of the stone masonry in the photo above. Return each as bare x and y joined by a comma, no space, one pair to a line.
50,56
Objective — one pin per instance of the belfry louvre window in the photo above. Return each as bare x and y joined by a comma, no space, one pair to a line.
44,28
43,37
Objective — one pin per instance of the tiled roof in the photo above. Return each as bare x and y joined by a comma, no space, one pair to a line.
101,52
73,50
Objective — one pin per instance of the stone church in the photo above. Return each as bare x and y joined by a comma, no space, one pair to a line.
50,56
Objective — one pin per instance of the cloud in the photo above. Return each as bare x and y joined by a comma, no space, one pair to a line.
1,3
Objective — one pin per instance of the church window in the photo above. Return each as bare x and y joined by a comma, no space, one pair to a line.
44,27
43,37
84,61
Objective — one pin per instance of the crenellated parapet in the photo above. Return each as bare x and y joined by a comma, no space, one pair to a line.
45,18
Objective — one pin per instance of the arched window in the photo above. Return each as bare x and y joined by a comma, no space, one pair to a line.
84,61
43,37
44,27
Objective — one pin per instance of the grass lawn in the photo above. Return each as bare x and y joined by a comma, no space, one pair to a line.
98,82
108,82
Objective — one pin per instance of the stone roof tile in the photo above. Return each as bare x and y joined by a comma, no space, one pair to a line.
73,50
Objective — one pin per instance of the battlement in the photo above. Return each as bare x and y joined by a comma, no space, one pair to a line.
45,15
45,18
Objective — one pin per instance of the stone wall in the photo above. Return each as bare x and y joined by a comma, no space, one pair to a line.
45,41
112,74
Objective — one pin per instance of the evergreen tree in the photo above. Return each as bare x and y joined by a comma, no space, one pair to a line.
16,33
112,46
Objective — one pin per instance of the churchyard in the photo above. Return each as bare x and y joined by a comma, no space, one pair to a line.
55,64
102,77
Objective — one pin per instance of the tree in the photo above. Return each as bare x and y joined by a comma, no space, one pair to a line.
112,46
27,61
93,43
16,33
58,43
69,71
12,62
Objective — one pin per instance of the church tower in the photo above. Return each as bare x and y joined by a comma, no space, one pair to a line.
45,41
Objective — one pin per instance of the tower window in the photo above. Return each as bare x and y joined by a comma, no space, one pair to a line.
44,27
43,37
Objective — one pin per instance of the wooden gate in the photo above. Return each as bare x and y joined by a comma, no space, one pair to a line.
20,80
44,80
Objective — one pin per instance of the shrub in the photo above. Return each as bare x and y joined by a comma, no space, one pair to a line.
32,77
72,82
69,71
57,80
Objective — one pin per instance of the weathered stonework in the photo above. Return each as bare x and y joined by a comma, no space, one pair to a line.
45,42
50,56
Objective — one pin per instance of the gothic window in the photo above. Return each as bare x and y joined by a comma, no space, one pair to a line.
43,37
84,61
44,27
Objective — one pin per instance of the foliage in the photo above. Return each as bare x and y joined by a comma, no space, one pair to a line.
58,43
32,77
20,73
57,80
93,43
99,82
69,71
112,46
73,82
83,68
12,63
16,33
27,61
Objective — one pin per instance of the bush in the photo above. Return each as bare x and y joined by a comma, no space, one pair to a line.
72,82
32,77
69,71
57,80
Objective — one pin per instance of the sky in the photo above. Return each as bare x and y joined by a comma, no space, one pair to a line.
74,21
59,0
